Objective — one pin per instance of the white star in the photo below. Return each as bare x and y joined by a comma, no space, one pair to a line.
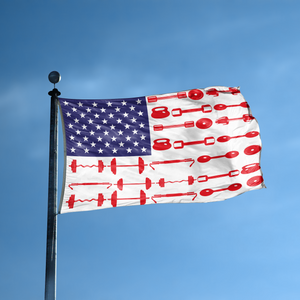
113,139
104,121
109,104
76,120
93,144
133,120
92,132
126,126
128,138
136,144
119,121
90,121
72,137
86,150
117,109
98,127
74,109
88,110
72,149
128,150
140,113
134,131
143,137
107,144
111,115
138,101
125,115
83,126
106,132
66,103
79,144
132,108
144,149
78,132
82,115
112,127
70,125
142,125
114,150
124,102
96,116
99,139
100,150
80,104
121,144
85,138
68,114
103,110
120,132
94,104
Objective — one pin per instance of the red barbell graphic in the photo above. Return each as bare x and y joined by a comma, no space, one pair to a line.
177,112
74,166
186,124
207,141
194,94
200,179
224,106
120,184
174,161
175,195
114,198
90,183
179,95
72,200
113,166
232,187
226,120
207,158
203,123
205,178
214,92
161,112
226,138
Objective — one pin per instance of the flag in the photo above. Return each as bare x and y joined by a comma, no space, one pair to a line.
194,146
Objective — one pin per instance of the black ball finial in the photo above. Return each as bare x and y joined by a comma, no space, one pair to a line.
54,77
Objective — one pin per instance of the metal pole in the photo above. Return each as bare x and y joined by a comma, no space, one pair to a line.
50,278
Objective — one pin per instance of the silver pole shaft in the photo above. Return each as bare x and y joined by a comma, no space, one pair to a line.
50,279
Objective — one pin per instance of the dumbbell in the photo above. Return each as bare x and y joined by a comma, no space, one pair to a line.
114,198
113,166
175,195
148,183
162,181
72,200
120,184
74,166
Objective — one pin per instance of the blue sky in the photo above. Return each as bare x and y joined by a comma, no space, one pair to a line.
242,248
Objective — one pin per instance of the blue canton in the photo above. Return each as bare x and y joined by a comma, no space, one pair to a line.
115,127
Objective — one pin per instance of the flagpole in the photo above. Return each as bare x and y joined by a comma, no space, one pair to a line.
50,277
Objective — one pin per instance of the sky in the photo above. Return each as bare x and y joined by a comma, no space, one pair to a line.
246,247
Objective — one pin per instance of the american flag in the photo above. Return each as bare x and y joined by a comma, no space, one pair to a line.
199,145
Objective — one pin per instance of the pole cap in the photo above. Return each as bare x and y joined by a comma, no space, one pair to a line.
54,77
